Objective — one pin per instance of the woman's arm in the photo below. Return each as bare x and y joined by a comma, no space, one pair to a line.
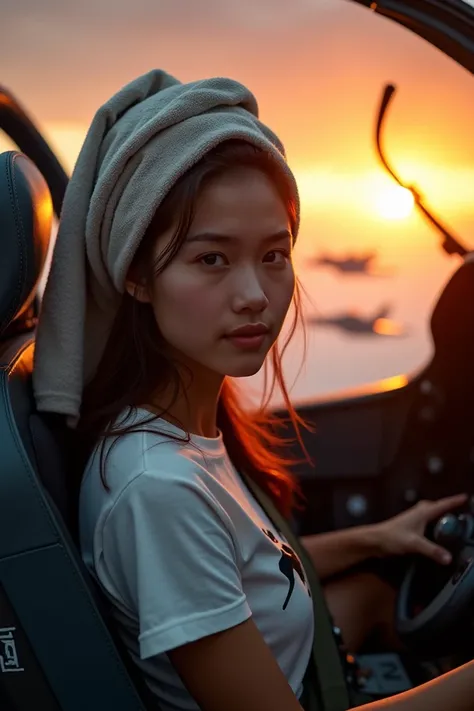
404,534
337,551
453,691
235,671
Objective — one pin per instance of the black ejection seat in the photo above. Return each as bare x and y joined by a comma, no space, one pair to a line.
57,649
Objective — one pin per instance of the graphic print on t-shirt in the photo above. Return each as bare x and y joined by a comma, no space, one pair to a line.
289,563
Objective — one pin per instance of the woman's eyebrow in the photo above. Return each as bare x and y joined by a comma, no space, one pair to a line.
216,237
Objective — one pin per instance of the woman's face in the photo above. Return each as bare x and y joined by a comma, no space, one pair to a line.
234,270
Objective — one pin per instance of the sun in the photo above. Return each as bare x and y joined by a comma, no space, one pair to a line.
394,203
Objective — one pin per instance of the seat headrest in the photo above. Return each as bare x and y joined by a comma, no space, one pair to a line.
26,215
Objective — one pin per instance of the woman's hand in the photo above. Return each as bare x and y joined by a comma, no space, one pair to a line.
405,534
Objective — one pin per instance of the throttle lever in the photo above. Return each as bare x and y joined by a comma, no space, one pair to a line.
452,532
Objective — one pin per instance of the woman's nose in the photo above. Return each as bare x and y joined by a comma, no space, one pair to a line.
250,295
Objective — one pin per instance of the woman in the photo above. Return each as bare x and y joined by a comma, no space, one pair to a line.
172,274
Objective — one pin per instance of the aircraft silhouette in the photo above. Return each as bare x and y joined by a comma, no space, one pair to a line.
377,325
350,263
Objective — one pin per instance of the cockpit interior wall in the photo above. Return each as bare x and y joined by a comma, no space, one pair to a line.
446,24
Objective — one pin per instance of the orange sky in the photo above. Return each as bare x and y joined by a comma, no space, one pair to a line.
318,75
317,68
317,71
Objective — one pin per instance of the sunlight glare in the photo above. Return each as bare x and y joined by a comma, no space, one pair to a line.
66,138
387,327
395,203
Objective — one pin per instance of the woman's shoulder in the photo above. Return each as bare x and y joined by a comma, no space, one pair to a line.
151,449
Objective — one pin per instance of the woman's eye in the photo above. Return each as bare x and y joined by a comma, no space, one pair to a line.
213,260
277,256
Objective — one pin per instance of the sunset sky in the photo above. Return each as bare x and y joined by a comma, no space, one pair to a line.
318,68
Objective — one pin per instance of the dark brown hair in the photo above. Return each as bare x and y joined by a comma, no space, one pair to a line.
135,364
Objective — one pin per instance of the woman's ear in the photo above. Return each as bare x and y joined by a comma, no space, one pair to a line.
138,291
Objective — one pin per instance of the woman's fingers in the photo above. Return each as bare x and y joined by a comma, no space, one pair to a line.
431,550
429,510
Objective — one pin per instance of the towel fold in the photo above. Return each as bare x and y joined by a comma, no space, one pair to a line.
139,144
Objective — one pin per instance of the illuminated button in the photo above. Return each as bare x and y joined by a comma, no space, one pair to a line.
357,505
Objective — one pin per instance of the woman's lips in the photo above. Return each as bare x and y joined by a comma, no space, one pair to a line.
248,343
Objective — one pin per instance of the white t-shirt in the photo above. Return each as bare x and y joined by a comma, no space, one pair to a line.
183,550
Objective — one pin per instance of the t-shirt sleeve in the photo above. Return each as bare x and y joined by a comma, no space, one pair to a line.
170,549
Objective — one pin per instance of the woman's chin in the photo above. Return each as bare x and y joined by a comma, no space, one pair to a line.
245,369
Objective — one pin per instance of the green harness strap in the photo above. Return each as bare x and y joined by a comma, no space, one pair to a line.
326,688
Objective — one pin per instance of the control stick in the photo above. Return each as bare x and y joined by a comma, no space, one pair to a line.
453,531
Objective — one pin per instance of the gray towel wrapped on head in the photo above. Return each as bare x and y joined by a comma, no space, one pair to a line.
139,144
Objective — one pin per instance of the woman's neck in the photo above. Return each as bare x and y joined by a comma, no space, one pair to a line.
194,411
202,423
